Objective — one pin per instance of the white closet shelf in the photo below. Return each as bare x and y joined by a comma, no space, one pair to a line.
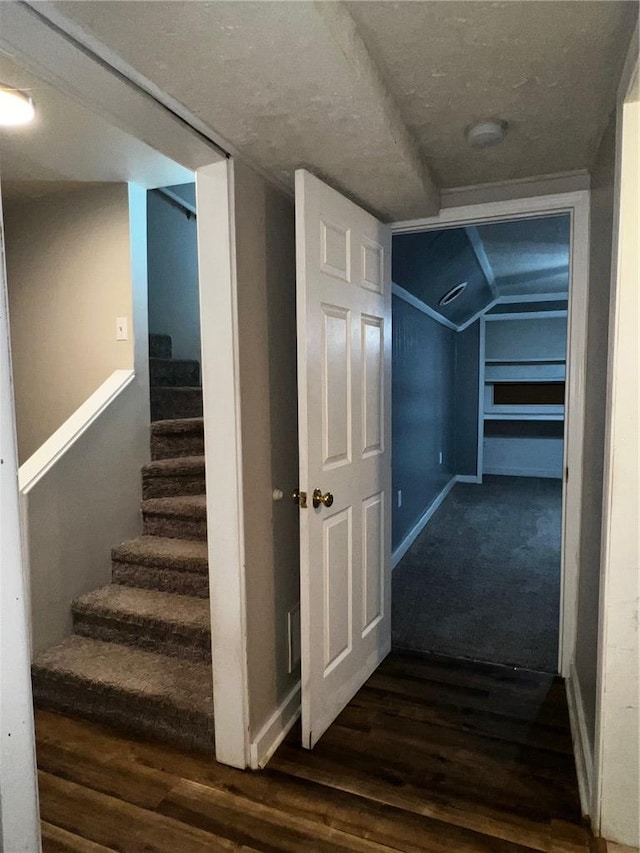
524,360
524,416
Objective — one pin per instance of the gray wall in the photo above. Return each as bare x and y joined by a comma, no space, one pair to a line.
69,277
174,307
424,366
602,198
467,378
266,274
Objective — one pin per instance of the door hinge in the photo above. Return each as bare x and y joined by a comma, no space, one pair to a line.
566,474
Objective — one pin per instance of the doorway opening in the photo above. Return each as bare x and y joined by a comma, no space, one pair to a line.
174,303
479,388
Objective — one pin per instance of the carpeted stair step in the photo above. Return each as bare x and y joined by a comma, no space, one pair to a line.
167,565
167,478
141,692
160,346
178,437
168,403
155,621
172,372
182,517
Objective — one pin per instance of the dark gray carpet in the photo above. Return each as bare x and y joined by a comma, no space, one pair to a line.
482,580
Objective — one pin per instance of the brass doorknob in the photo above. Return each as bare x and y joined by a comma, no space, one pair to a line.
319,498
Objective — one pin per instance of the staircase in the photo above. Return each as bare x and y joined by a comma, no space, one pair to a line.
140,653
175,383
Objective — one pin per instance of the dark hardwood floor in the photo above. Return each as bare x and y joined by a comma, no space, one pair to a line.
431,755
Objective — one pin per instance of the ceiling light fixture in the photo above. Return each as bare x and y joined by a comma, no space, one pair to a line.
16,107
488,132
452,294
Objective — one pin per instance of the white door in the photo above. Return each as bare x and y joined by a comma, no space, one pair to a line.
344,381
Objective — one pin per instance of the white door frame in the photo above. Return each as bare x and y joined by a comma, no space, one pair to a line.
576,204
611,789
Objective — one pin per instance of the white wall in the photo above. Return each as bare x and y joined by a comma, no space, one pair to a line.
601,232
68,271
19,824
174,305
265,257
618,719
89,500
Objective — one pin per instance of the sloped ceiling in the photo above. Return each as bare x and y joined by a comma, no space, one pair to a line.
375,96
528,255
523,257
68,144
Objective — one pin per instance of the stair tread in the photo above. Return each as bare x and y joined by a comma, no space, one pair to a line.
160,550
161,360
194,506
133,604
183,684
174,465
178,389
177,425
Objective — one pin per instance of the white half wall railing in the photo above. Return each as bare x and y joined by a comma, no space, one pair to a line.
80,495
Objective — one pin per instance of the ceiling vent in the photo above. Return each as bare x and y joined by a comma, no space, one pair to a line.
452,294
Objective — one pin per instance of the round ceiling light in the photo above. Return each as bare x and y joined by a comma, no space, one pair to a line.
452,294
482,134
16,107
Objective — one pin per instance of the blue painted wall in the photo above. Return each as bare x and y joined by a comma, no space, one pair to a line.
424,404
466,414
174,302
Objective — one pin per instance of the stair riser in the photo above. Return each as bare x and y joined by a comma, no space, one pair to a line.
80,698
173,527
164,580
176,446
173,485
175,404
148,636
160,346
174,374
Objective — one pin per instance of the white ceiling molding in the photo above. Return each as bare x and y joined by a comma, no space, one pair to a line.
479,251
412,300
539,185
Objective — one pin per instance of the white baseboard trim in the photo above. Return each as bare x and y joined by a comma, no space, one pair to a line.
580,738
550,473
420,524
275,729
467,478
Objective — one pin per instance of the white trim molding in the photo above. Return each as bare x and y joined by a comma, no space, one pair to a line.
412,300
223,459
510,298
55,447
580,738
421,523
276,729
576,204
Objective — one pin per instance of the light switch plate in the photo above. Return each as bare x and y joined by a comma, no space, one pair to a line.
122,329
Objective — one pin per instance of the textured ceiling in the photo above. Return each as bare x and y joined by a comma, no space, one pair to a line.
548,68
522,257
375,96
